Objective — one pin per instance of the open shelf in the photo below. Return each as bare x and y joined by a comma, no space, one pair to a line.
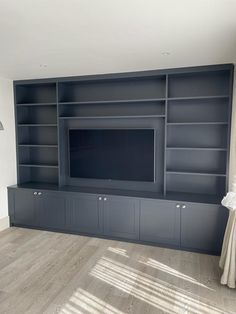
45,135
38,93
38,155
113,90
195,183
106,110
209,110
41,175
199,84
194,197
204,136
38,115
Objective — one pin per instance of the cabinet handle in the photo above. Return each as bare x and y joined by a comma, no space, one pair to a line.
178,206
100,198
35,193
105,199
39,193
183,206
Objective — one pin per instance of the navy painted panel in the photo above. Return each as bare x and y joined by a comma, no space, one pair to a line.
51,210
24,208
160,222
202,227
121,217
84,214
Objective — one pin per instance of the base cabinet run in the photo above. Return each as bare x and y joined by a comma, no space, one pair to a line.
190,226
38,208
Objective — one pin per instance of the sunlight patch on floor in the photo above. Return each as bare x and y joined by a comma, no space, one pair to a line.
171,271
119,251
84,302
148,289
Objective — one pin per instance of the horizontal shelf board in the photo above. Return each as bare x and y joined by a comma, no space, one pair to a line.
38,145
90,102
194,197
38,165
36,124
196,173
197,123
39,185
199,97
113,117
37,104
197,148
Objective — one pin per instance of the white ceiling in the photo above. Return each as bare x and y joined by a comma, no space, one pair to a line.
50,38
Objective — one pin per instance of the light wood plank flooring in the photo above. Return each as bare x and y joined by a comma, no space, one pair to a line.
46,272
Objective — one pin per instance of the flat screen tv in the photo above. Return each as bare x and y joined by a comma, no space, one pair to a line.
112,154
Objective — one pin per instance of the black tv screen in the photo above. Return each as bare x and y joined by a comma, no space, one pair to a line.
112,154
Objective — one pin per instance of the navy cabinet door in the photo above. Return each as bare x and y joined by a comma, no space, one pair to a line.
84,214
24,208
51,209
202,227
160,222
121,217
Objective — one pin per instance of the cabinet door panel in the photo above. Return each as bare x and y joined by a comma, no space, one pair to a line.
202,227
121,217
160,222
24,207
51,210
85,214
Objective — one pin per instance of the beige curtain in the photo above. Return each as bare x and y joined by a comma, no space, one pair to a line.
228,253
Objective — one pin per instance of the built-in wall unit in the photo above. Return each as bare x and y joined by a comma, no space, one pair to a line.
139,156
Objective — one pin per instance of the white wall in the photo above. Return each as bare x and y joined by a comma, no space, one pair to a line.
7,147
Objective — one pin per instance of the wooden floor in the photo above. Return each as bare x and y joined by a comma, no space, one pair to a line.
46,272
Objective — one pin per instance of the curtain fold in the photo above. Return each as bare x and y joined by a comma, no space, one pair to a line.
228,253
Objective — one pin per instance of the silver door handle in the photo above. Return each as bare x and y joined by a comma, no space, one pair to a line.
183,206
39,193
100,198
105,199
35,193
178,206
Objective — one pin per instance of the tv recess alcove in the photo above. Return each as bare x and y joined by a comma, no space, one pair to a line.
139,156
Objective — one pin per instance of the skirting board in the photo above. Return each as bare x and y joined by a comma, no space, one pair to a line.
4,223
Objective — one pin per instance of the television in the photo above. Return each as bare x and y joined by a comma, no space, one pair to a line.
112,154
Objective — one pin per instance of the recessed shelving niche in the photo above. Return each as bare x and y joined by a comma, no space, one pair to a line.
189,109
113,109
113,89
204,110
199,84
39,93
36,112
